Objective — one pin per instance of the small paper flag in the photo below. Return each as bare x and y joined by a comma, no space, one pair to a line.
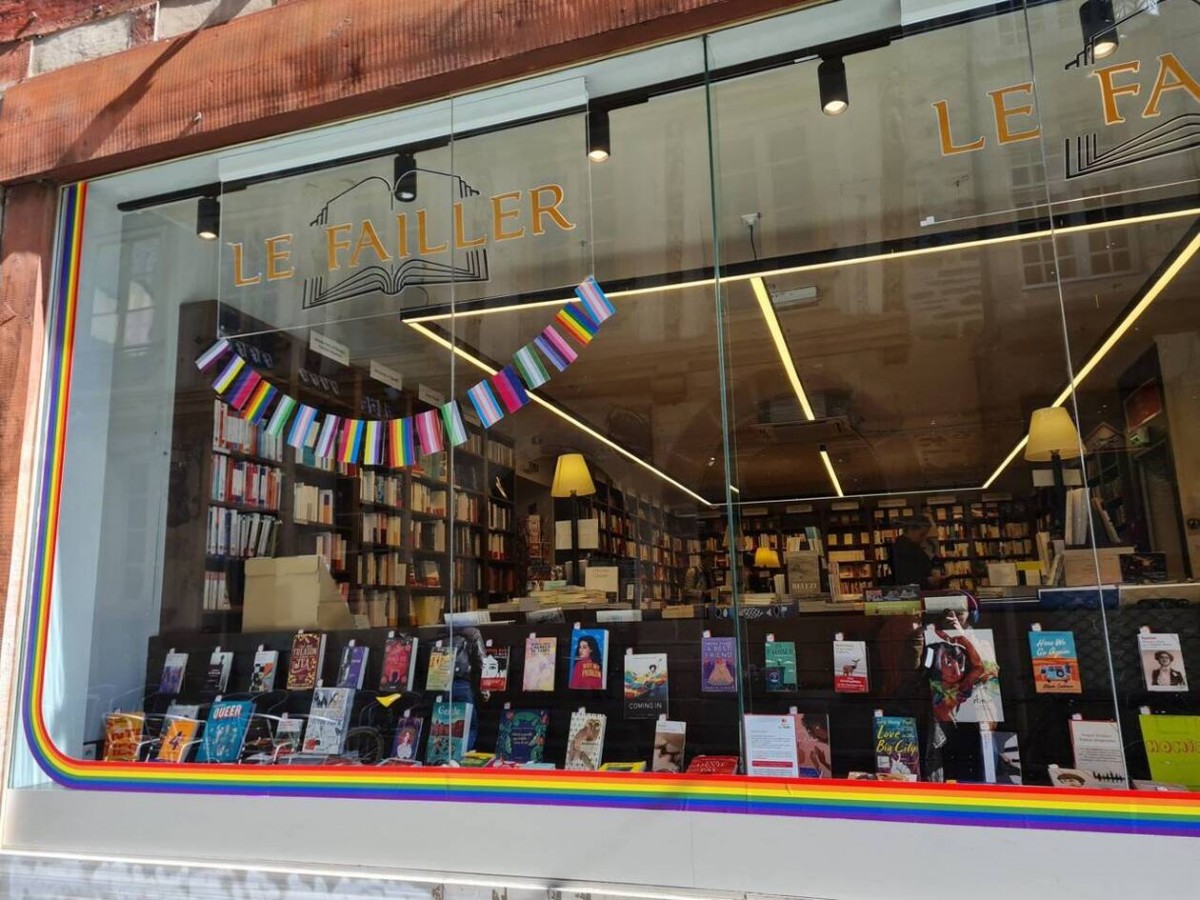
456,431
212,354
310,436
373,444
260,402
429,430
228,374
243,389
556,349
305,417
328,439
279,418
401,451
577,323
594,300
485,404
510,389
529,364
350,446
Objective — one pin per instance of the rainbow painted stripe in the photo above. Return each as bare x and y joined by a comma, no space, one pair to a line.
1009,807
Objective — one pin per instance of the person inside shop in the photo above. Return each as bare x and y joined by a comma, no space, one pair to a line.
912,562
469,652
699,581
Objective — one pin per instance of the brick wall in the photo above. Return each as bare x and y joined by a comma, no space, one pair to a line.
45,35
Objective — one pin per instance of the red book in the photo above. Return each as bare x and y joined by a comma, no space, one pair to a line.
399,656
713,765
304,667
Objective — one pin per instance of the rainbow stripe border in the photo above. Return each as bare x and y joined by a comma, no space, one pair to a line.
1124,812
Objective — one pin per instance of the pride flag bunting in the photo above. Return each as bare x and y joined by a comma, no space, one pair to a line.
373,443
400,443
594,299
510,389
350,447
243,389
260,401
279,418
485,404
305,417
228,374
429,430
326,442
529,364
212,354
456,431
576,321
556,349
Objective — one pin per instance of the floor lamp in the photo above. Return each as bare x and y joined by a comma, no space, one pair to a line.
1053,438
572,479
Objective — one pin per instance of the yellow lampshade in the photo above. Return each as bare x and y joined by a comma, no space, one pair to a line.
766,558
571,476
1051,431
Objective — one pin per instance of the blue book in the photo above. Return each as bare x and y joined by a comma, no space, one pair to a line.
449,728
225,731
589,659
352,667
522,735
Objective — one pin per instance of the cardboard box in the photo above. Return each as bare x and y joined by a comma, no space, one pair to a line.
292,592
1079,566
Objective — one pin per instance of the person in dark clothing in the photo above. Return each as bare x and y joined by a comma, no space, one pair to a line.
910,563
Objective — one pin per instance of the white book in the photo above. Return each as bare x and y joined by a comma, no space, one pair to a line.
328,720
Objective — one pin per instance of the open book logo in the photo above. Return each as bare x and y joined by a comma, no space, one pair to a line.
392,276
1177,135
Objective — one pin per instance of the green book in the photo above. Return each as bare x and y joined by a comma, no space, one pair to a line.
781,666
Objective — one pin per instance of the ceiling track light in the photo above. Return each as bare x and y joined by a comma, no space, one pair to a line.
404,178
1099,25
208,218
599,144
833,479
831,77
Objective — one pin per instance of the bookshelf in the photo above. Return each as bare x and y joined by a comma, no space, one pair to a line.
386,535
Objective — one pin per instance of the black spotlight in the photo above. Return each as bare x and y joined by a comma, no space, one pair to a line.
599,146
835,96
208,218
1099,26
405,178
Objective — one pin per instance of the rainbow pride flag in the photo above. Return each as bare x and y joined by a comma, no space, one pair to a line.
456,431
373,443
594,300
510,389
485,404
279,418
429,430
228,374
259,402
555,348
301,425
350,447
212,354
576,321
529,364
401,451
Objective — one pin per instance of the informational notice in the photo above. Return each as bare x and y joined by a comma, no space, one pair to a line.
771,746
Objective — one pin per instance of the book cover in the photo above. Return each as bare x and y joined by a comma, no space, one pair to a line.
669,740
639,766
645,685
225,731
177,740
493,674
781,666
897,750
123,736
353,666
713,765
262,676
182,711
718,665
399,663
964,676
850,673
1001,756
771,745
407,742
589,659
1173,749
1055,664
216,678
328,720
440,675
448,730
1162,662
522,736
172,674
289,736
585,741
1061,777
306,662
813,755
477,759
1099,752
540,656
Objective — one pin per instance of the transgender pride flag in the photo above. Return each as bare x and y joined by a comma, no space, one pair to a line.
485,404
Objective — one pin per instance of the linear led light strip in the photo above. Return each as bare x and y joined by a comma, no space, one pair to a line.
832,264
1131,317
588,430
